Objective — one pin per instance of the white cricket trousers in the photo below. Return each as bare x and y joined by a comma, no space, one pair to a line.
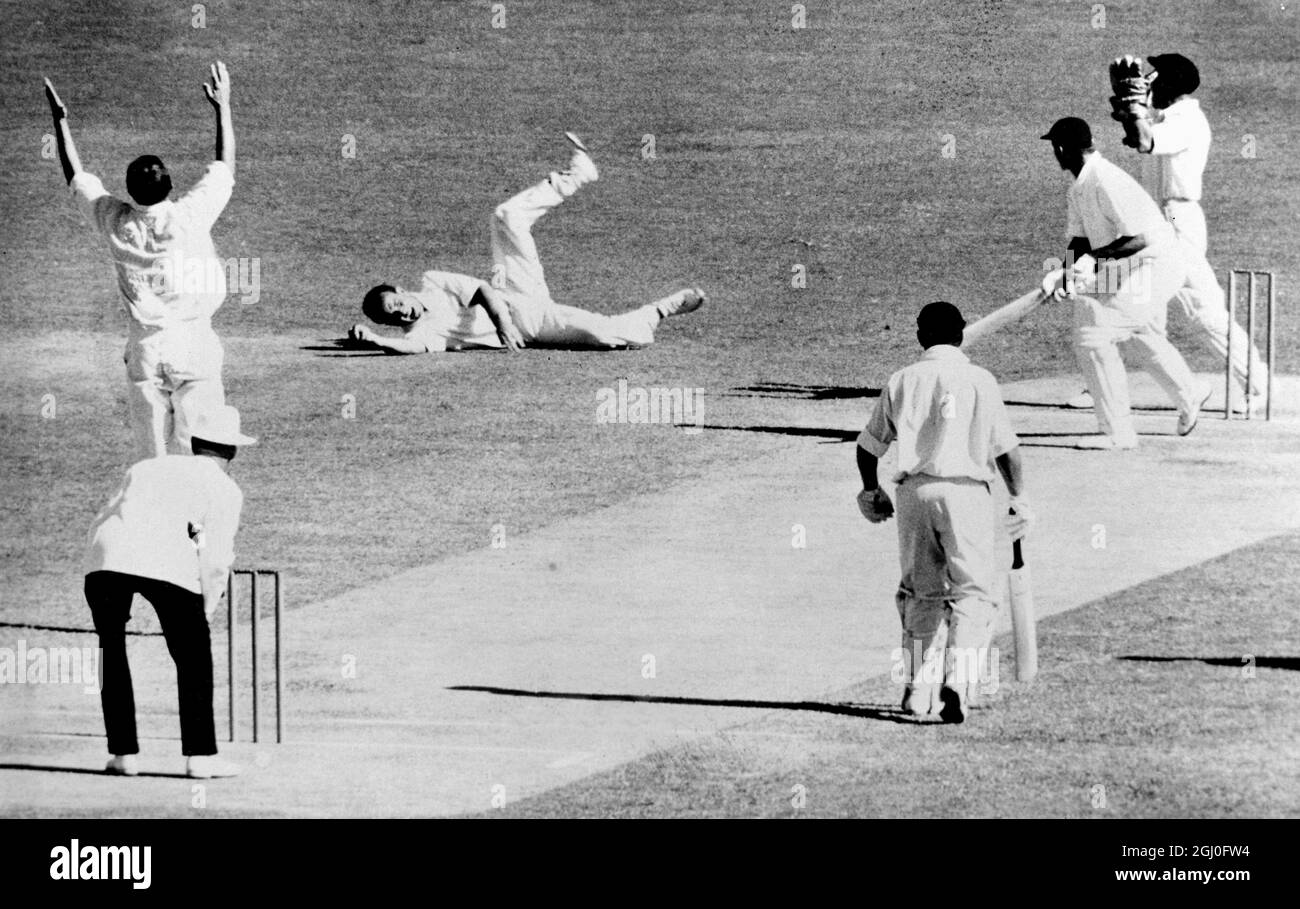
172,376
1127,310
946,550
1202,299
517,273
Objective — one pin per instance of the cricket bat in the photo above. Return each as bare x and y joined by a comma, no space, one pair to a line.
1020,592
1000,318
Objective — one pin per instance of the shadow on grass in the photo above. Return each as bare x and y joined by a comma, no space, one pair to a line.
342,348
1259,662
55,768
863,711
833,435
805,392
65,630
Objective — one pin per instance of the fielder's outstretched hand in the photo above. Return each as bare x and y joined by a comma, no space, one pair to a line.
361,333
56,104
875,505
218,90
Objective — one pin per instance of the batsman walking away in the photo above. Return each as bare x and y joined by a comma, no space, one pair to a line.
954,439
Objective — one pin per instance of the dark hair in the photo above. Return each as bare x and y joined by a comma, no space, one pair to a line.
147,180
940,323
204,447
373,305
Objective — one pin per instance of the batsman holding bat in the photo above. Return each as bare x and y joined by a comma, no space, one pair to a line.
954,438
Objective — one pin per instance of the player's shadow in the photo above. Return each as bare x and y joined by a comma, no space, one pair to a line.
1259,662
336,348
863,711
65,630
56,768
802,392
816,432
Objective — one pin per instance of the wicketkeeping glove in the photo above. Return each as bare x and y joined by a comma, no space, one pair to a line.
1021,519
875,505
1131,89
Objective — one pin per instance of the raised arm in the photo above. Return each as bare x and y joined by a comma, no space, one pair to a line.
218,92
68,156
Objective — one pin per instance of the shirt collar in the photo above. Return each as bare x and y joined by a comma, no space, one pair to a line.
1089,162
945,352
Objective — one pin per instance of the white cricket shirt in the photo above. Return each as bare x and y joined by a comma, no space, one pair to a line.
1104,203
947,416
1181,137
144,528
450,321
167,268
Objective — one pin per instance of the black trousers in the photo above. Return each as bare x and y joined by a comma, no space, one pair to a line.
189,641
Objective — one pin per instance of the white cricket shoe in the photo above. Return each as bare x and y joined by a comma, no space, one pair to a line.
576,142
582,170
210,766
1187,419
1081,401
122,765
686,300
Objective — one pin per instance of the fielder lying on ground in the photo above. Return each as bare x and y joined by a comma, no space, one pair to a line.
452,311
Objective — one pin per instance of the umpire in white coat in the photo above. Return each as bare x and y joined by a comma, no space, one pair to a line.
168,534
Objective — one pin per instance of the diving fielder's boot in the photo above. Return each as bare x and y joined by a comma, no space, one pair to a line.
686,300
582,170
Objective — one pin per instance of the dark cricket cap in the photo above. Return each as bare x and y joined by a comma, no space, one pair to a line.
940,318
1177,69
147,180
1070,132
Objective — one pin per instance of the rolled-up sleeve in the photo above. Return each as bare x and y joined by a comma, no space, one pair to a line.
880,430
